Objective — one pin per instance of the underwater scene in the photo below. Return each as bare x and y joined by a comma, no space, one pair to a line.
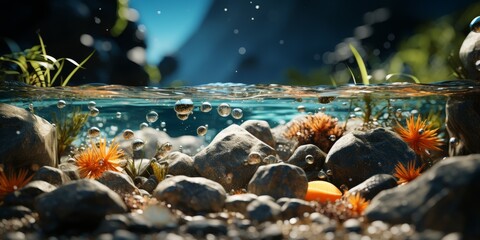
270,136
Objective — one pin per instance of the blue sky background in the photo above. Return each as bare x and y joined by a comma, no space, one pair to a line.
169,23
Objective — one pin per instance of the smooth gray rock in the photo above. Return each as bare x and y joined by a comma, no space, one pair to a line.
311,169
443,198
239,202
78,205
27,140
261,130
118,182
469,55
373,185
180,164
296,208
262,210
153,139
462,118
51,175
359,155
223,160
191,195
26,195
279,180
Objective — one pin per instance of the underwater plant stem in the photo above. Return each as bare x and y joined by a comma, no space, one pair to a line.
368,108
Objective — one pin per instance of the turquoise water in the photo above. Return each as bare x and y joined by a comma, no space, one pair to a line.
121,107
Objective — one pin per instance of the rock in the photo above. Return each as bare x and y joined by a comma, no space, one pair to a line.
299,158
150,184
203,227
51,175
70,169
353,225
279,180
118,182
462,117
77,206
373,185
239,202
28,141
180,164
358,155
191,195
223,159
441,199
263,209
469,55
26,195
9,212
284,146
261,130
153,139
296,208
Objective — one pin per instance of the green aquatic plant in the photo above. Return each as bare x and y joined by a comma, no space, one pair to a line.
68,127
35,67
361,66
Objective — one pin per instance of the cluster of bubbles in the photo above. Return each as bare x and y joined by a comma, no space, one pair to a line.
183,108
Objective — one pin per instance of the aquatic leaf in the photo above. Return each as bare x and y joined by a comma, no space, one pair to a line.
76,69
361,65
159,169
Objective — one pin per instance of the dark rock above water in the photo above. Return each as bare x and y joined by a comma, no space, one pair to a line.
444,198
27,140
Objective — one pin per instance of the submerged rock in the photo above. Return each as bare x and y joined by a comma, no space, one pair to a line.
27,140
443,198
77,206
462,118
359,155
261,130
373,185
310,158
279,180
191,195
223,160
180,164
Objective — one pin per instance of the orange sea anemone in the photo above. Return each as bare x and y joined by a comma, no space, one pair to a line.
95,160
419,136
318,129
357,203
11,182
405,174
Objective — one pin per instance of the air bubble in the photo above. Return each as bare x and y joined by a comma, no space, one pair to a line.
138,144
118,115
152,117
301,109
237,113
309,159
332,138
91,104
229,178
143,125
127,134
254,158
475,24
94,112
61,104
224,109
202,130
184,106
453,140
93,132
322,175
206,107
182,117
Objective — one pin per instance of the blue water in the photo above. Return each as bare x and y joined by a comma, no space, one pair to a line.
276,104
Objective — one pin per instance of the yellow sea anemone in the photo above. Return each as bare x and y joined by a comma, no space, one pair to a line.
419,136
12,181
95,160
405,174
